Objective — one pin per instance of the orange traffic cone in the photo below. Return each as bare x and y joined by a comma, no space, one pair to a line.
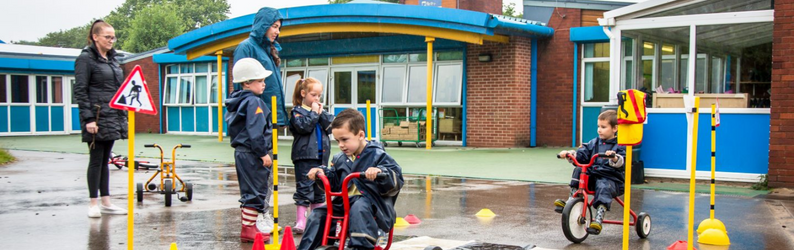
679,245
259,242
412,219
288,243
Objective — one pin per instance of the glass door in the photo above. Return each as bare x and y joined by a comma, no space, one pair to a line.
351,88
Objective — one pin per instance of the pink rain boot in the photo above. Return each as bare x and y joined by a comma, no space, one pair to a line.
300,223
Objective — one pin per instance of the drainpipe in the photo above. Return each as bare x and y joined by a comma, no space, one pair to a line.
575,77
465,82
533,95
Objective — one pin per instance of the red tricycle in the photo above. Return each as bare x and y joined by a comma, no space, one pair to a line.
342,221
577,214
121,161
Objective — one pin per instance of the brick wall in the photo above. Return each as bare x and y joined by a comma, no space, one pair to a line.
781,141
498,94
147,123
555,80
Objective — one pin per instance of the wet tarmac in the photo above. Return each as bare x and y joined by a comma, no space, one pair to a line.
44,205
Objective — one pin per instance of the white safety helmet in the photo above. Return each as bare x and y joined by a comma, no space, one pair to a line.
248,69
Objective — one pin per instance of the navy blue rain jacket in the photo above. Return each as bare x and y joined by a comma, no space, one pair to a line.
304,125
249,122
257,46
381,192
601,166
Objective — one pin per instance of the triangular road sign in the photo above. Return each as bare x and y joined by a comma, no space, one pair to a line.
133,95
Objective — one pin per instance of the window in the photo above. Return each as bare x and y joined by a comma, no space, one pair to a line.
322,75
214,88
3,89
596,50
201,89
451,55
19,89
596,82
366,86
57,89
401,58
417,84
296,62
170,90
72,82
342,85
289,84
716,75
193,83
448,84
185,90
318,61
628,64
393,84
41,89
417,57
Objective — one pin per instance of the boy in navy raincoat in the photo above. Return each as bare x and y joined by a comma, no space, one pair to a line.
606,174
250,132
371,200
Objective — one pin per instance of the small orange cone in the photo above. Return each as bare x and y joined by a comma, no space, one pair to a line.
288,243
679,245
412,219
259,242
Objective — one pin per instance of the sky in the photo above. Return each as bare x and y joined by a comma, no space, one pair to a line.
32,19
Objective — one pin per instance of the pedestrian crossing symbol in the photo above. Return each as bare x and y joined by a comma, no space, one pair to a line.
133,95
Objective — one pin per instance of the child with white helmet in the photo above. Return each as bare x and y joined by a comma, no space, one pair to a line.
250,132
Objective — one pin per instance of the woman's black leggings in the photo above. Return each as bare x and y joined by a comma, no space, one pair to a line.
98,173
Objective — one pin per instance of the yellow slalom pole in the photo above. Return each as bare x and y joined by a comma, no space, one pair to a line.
691,221
627,196
429,111
275,245
369,122
713,157
220,95
130,178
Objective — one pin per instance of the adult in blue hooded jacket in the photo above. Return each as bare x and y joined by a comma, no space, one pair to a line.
261,45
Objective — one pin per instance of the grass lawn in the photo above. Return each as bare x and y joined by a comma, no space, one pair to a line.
5,157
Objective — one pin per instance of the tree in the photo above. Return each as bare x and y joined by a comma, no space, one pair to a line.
510,10
76,37
194,13
153,26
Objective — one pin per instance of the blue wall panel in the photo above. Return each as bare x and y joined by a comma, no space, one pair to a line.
589,123
76,119
742,143
188,123
373,121
203,119
20,119
56,118
173,119
3,118
42,119
214,120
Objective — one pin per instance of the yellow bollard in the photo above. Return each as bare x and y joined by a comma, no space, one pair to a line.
275,245
691,219
130,178
369,123
627,197
219,53
712,231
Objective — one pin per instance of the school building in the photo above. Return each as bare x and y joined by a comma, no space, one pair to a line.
497,81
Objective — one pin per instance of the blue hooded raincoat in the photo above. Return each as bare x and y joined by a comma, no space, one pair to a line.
257,46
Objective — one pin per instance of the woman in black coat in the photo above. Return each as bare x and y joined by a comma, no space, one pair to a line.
98,76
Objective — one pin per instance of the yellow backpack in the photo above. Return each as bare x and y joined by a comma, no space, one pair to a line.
631,116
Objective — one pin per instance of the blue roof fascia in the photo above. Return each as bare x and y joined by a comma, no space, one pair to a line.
173,58
33,65
592,34
455,19
519,28
214,32
365,46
